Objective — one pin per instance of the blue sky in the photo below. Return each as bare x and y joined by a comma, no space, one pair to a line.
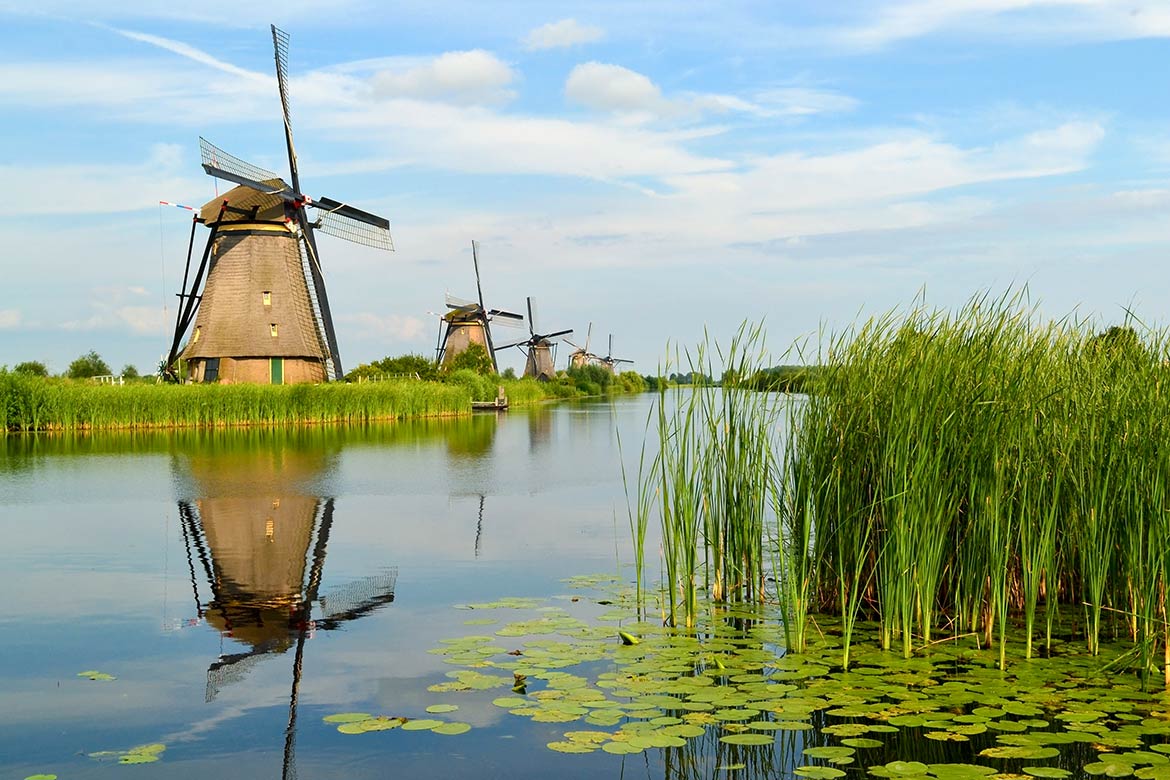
652,167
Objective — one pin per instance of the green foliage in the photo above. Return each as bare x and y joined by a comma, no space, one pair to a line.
509,373
32,403
403,365
88,365
129,371
474,358
31,368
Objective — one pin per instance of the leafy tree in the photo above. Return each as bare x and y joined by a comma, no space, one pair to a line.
509,373
408,364
31,368
130,372
89,364
474,358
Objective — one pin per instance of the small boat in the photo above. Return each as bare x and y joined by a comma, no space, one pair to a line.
500,404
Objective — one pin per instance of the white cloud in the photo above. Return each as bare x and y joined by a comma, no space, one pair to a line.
393,327
10,319
192,53
1045,19
473,76
103,188
605,87
566,32
804,101
618,90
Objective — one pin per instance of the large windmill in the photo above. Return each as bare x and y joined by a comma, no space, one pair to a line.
609,361
539,348
581,356
469,323
263,314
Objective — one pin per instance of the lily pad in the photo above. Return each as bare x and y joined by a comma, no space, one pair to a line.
818,772
347,717
1054,772
452,728
421,724
439,708
748,739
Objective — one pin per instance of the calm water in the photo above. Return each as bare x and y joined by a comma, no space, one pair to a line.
201,570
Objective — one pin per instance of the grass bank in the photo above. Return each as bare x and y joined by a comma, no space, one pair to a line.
30,403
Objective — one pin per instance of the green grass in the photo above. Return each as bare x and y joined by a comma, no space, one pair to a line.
967,471
30,403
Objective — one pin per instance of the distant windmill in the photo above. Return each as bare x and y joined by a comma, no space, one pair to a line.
581,356
609,361
263,315
469,323
539,348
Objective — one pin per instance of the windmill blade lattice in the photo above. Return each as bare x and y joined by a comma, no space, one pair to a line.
344,221
222,165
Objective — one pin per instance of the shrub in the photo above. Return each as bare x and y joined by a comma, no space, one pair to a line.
88,365
31,368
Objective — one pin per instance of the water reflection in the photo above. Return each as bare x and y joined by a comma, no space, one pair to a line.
259,536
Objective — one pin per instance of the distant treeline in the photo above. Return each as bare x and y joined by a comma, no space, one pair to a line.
782,379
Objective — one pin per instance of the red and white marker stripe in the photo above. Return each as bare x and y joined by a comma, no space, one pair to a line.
176,205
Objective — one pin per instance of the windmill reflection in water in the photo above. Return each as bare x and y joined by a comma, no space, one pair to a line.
263,558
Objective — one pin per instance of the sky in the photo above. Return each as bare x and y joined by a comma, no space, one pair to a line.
660,169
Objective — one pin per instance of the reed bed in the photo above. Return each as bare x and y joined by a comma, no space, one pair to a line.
980,473
31,404
986,472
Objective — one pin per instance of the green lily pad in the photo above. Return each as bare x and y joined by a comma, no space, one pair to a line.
1109,768
439,708
1156,772
862,742
347,717
41,777
621,748
95,675
818,772
421,724
748,739
452,728
1032,752
571,747
1054,772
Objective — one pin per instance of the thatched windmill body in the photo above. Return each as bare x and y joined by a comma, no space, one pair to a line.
469,322
609,362
581,356
539,349
263,315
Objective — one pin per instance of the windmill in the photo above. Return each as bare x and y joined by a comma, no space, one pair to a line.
539,348
609,361
263,314
469,323
581,356
263,556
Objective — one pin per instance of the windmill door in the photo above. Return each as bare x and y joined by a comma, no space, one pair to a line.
276,370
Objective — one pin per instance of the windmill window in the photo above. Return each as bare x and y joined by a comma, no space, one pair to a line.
267,297
272,329
195,338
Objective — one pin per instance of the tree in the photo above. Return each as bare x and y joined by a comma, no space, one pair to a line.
130,372
31,368
509,373
89,364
